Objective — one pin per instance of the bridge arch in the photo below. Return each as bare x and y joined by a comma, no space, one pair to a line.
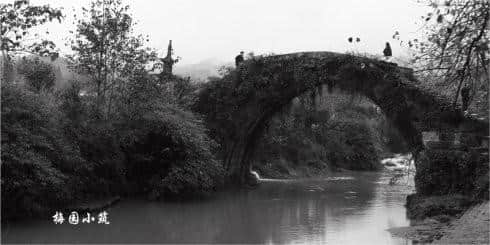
238,106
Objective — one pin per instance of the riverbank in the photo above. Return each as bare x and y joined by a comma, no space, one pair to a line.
471,227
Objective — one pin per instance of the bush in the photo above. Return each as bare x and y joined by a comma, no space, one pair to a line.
35,157
171,154
441,172
39,75
420,207
352,146
55,152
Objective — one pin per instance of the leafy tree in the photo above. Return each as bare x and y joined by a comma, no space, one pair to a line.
17,20
455,50
106,49
39,75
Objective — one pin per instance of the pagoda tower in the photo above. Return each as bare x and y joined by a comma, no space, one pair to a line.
168,61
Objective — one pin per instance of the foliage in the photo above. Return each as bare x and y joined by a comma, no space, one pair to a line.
35,158
183,91
171,154
420,207
339,131
71,104
106,49
39,75
441,172
55,152
18,18
455,49
354,147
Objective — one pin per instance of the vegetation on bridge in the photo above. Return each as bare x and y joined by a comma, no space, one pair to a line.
239,105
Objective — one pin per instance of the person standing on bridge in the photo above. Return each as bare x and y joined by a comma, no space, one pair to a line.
465,97
387,51
239,59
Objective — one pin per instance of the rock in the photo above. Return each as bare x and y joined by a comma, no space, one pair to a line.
253,179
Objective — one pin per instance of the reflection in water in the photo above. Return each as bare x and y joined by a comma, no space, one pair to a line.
348,208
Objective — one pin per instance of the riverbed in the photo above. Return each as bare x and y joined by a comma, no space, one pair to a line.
344,208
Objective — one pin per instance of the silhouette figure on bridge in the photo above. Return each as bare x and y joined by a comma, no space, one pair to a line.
387,51
239,59
465,96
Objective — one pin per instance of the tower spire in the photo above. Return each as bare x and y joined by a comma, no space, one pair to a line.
168,61
169,49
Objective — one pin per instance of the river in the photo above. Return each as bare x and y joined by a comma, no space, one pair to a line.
345,208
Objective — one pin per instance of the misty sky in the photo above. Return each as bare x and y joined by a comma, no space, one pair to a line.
219,29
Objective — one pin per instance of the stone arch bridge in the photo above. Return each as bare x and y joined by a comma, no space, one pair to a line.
238,106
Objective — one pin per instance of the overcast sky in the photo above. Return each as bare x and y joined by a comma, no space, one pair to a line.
219,29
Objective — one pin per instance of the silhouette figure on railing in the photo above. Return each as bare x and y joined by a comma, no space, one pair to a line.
239,59
387,51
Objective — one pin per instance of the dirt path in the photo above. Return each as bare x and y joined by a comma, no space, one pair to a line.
472,228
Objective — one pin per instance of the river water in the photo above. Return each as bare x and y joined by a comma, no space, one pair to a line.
345,208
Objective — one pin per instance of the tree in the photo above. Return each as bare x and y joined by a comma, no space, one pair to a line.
39,75
456,47
17,20
106,49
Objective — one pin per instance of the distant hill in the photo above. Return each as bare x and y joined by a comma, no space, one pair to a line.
199,72
202,70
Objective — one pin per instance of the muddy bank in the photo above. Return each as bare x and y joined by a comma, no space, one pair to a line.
470,227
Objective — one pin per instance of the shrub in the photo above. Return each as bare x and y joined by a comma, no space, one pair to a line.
39,75
171,154
34,156
441,172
